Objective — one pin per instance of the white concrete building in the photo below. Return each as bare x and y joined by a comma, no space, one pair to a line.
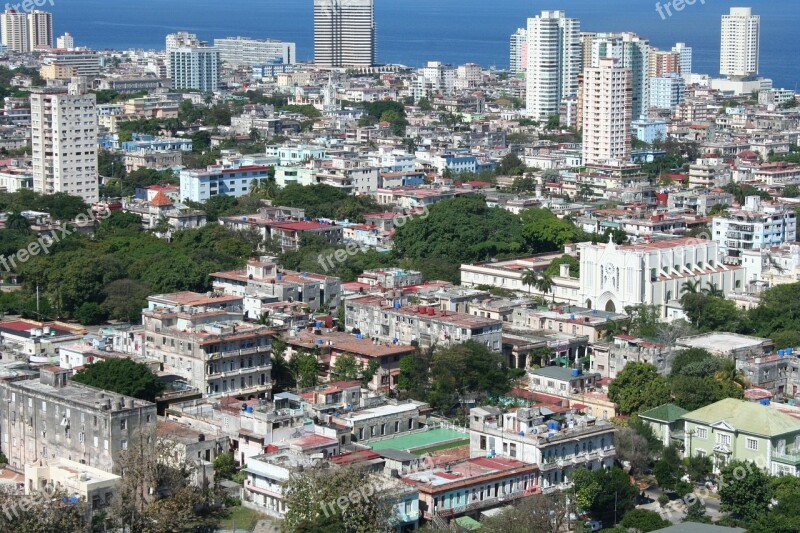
614,277
243,51
633,52
434,78
65,42
554,62
518,51
344,33
666,92
606,113
15,31
739,47
684,57
195,68
64,142
756,225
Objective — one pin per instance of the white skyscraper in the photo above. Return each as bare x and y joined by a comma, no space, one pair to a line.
606,100
180,39
344,33
684,57
554,62
634,53
196,68
518,51
249,52
739,47
15,32
64,142
40,29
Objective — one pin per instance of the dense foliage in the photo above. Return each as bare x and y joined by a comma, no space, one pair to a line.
123,376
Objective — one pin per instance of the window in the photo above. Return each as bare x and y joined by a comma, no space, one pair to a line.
702,433
123,444
123,424
723,439
752,444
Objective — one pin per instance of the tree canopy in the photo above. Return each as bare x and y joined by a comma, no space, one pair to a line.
122,376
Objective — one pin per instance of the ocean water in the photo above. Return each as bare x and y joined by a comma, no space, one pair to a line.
412,32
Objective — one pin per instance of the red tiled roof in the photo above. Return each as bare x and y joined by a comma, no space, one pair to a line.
160,200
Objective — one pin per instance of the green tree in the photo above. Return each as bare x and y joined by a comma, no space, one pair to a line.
305,369
696,512
744,490
555,266
669,469
224,466
545,232
90,313
699,467
530,278
510,165
643,520
638,387
346,368
123,376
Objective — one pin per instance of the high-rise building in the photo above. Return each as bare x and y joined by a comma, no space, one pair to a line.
663,63
180,39
15,32
554,62
196,68
634,53
64,141
40,29
739,47
242,51
344,33
684,57
518,51
65,42
606,100
667,92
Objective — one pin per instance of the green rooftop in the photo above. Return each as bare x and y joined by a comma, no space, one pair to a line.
746,417
669,412
470,524
422,439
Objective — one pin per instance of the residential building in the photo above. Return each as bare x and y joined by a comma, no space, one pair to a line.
684,58
778,373
40,29
243,51
53,417
534,436
738,430
264,277
606,113
65,42
65,64
666,92
200,185
344,33
64,142
666,423
177,40
728,345
195,68
203,340
610,358
15,31
740,42
518,51
554,61
756,225
614,277
561,381
381,420
432,79
388,321
465,487
649,131
632,52
95,486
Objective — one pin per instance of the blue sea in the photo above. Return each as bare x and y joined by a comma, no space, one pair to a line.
412,32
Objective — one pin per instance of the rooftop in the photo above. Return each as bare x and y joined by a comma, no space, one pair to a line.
466,472
664,413
746,417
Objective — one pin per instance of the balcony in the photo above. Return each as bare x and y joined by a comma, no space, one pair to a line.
788,458
235,353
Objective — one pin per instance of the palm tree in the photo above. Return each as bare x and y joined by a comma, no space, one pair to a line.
545,284
530,278
713,291
612,329
690,286
729,373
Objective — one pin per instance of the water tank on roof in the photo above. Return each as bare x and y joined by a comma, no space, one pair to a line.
249,408
765,401
320,341
572,316
576,372
789,351
397,305
780,353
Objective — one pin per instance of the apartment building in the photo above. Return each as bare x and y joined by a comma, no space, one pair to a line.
518,51
264,277
15,31
344,33
533,436
64,142
756,225
389,321
195,68
243,51
554,62
199,185
52,417
204,341
95,486
606,91
40,29
739,44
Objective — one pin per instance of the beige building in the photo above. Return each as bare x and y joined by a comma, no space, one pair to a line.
95,486
15,35
607,92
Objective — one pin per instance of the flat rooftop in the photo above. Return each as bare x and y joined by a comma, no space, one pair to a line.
382,410
473,470
717,342
419,440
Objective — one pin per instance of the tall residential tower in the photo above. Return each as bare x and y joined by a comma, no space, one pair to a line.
554,62
344,33
739,48
607,102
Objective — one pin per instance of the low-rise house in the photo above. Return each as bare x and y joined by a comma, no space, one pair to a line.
666,422
381,421
561,381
